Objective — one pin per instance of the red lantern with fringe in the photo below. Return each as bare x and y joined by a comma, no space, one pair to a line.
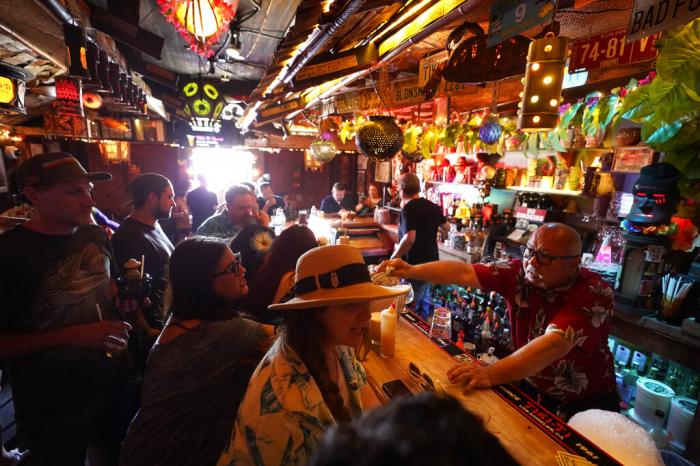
199,22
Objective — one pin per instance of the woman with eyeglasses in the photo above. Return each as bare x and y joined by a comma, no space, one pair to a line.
310,379
559,315
199,367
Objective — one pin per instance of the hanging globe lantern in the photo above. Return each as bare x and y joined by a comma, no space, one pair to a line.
323,151
380,138
490,132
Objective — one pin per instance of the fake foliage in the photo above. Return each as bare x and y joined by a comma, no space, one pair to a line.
668,109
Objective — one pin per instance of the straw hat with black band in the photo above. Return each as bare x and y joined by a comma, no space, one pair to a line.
334,275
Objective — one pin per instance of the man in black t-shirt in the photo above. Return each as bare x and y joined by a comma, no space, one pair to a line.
336,201
420,220
60,336
139,236
202,203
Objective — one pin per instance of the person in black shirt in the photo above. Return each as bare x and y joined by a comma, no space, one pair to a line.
60,336
420,220
268,202
202,203
336,201
139,236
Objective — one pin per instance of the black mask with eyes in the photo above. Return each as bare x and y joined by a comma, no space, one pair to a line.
655,195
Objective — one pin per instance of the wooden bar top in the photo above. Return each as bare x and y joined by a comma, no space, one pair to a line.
525,441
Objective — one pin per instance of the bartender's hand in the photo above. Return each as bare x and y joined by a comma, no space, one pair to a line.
399,268
473,373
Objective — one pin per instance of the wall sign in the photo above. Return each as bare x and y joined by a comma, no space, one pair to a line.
532,215
427,66
331,66
609,49
511,17
632,159
650,16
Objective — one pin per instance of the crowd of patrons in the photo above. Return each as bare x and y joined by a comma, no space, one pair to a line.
236,356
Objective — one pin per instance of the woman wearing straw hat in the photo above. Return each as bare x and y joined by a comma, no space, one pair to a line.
310,379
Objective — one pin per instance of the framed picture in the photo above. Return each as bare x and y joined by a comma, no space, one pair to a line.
361,162
382,172
632,159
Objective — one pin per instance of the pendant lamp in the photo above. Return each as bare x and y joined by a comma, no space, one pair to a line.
199,22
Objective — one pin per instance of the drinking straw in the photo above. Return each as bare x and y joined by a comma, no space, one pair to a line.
143,263
99,316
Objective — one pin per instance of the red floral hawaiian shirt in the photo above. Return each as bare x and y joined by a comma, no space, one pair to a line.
579,312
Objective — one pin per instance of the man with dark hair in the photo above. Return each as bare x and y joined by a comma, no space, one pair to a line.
202,203
268,202
336,201
141,236
420,220
60,336
238,214
413,431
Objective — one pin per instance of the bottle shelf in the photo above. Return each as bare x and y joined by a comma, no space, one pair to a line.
560,192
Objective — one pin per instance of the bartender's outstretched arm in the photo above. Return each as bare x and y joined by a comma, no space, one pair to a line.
525,362
440,272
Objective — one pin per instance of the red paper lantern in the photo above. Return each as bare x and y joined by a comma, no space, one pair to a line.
69,96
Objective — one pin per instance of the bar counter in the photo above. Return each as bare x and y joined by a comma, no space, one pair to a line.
532,435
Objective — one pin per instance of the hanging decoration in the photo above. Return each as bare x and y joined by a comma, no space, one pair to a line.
380,138
199,22
544,75
76,47
203,104
310,163
69,96
323,150
92,100
12,87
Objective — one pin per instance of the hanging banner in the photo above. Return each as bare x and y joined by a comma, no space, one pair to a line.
511,17
650,16
609,49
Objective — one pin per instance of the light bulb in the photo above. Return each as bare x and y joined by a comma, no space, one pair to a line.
535,66
547,80
534,99
536,119
553,102
548,48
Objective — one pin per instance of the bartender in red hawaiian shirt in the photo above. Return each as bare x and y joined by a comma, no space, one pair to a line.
559,318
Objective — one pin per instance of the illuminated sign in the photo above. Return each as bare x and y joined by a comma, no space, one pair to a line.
7,90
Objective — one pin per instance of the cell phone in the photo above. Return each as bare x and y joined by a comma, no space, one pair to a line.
396,388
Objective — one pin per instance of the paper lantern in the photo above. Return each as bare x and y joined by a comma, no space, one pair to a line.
199,22
69,96
323,151
76,44
544,76
12,87
380,138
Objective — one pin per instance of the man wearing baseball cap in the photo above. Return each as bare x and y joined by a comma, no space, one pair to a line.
60,336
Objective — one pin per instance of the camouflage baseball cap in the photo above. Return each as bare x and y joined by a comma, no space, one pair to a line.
47,169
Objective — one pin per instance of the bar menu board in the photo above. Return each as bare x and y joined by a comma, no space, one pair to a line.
609,49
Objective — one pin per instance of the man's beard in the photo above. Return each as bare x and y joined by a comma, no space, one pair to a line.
161,214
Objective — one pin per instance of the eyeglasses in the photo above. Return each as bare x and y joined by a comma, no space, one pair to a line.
542,257
420,379
233,268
